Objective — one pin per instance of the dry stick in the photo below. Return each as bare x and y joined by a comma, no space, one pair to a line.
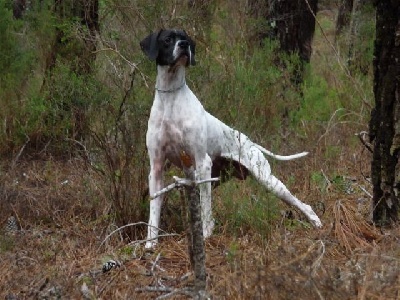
186,292
316,263
329,124
170,291
196,245
155,263
365,191
14,162
180,182
154,289
134,224
134,66
186,224
361,135
87,156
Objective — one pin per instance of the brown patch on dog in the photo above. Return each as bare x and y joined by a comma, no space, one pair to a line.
181,61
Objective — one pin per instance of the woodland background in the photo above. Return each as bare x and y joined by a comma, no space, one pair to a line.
75,95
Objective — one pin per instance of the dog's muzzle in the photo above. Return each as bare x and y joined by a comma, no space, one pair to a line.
182,53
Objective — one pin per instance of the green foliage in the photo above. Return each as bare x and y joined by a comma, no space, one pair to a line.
6,243
250,90
252,211
319,101
127,251
62,110
361,56
319,180
14,60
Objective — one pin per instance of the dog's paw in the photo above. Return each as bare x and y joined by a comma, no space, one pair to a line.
150,245
312,216
315,221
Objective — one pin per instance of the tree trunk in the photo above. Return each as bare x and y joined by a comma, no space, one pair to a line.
87,11
19,7
353,31
385,117
344,14
291,22
201,15
294,25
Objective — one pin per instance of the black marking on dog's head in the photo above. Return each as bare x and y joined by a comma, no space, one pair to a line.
169,47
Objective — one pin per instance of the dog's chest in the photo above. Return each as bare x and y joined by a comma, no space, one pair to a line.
175,127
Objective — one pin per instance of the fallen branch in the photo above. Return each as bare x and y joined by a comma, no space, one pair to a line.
365,191
361,136
14,162
87,155
135,224
152,239
171,292
155,263
162,289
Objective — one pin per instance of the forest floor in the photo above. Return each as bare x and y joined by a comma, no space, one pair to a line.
56,253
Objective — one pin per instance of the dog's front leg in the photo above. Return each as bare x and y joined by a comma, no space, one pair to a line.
203,171
155,185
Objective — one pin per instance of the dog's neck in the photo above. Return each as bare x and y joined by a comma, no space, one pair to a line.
170,79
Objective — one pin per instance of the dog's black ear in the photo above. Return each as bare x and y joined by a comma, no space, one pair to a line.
149,45
192,50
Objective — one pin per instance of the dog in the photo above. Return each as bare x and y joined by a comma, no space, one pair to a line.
178,123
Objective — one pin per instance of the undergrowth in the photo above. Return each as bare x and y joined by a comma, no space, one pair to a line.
101,116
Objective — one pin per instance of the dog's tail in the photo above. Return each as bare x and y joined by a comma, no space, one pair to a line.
281,157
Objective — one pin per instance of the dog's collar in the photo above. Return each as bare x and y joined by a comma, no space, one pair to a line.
171,90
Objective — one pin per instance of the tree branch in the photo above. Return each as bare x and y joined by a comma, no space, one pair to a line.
179,182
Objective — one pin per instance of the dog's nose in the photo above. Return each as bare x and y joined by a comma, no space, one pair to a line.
183,44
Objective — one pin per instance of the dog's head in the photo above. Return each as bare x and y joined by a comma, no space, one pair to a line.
170,47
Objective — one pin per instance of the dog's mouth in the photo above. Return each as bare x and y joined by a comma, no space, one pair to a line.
182,60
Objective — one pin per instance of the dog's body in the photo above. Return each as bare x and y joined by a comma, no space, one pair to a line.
179,124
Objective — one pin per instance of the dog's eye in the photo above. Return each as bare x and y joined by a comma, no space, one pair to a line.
168,40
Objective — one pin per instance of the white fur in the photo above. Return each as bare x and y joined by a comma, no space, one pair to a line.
178,122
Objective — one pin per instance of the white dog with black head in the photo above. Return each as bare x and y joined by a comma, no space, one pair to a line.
179,124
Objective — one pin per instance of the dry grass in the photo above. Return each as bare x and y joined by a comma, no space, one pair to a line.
59,251
352,230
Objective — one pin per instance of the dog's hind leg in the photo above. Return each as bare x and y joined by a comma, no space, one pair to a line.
280,190
253,159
